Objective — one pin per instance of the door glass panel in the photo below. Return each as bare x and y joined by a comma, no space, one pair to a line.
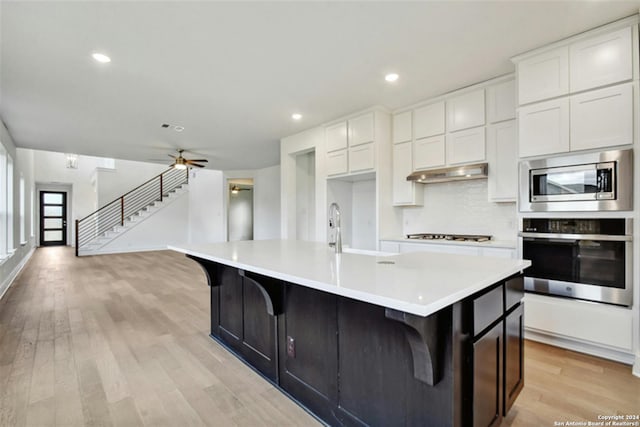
574,182
52,236
52,198
52,223
53,211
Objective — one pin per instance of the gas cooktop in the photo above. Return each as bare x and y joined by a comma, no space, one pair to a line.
454,237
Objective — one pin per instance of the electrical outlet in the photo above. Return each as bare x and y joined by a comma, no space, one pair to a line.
291,347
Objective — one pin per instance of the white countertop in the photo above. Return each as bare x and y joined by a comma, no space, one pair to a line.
509,244
419,283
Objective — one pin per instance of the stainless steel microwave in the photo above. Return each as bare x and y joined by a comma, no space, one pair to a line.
600,181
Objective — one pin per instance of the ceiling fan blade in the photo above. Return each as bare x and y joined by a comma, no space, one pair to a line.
171,155
195,164
198,160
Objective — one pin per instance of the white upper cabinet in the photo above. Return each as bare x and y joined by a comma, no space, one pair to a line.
501,102
466,146
544,128
502,154
544,76
402,125
404,192
428,120
361,130
602,118
428,152
336,137
337,162
362,158
601,60
465,111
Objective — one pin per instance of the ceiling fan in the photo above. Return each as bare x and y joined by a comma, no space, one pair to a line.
235,189
182,163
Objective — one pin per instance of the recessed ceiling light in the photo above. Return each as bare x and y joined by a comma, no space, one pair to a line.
178,128
101,57
296,116
391,77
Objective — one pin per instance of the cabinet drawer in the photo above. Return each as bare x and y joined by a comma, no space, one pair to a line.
428,152
337,162
487,308
601,60
336,137
602,118
466,146
361,158
428,121
513,292
361,130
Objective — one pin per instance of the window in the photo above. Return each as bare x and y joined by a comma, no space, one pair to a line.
23,233
10,242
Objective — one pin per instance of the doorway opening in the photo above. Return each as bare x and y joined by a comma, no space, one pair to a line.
53,218
240,209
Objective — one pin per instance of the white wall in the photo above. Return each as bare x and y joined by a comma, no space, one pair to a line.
305,201
461,208
23,165
357,201
206,206
163,227
113,183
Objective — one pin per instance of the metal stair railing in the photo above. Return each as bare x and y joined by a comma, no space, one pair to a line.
97,223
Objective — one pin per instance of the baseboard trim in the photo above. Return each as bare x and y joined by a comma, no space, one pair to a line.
4,287
124,251
618,355
636,366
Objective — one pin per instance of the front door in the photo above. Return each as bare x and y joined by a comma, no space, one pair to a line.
53,218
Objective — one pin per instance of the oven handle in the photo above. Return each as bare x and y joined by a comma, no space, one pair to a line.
604,237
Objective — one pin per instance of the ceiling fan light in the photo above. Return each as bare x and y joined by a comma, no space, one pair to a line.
180,166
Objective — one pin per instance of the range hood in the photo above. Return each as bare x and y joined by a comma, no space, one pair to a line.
455,173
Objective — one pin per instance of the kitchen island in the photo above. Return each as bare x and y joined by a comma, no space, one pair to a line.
411,339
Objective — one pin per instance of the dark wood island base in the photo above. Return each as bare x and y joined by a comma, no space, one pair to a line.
354,363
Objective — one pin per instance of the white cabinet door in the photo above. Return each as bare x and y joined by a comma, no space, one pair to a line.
544,128
336,137
429,120
337,162
361,130
501,102
428,152
465,111
602,118
466,146
601,60
543,76
361,158
502,153
402,127
404,192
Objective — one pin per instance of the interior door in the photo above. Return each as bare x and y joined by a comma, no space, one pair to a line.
53,218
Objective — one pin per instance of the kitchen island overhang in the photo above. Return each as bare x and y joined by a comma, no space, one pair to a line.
358,339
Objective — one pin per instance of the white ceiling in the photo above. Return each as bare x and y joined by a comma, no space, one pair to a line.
232,73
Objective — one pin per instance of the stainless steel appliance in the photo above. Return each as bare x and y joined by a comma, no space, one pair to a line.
587,259
584,182
454,237
454,173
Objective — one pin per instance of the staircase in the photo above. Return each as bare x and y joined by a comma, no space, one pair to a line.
115,218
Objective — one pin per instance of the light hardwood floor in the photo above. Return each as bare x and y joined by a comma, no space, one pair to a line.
123,340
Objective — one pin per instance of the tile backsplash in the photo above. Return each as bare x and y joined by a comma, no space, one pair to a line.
461,208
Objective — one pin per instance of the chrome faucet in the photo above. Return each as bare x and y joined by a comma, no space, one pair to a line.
334,224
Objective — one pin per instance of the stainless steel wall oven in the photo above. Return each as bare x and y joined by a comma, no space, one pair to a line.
600,181
589,259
